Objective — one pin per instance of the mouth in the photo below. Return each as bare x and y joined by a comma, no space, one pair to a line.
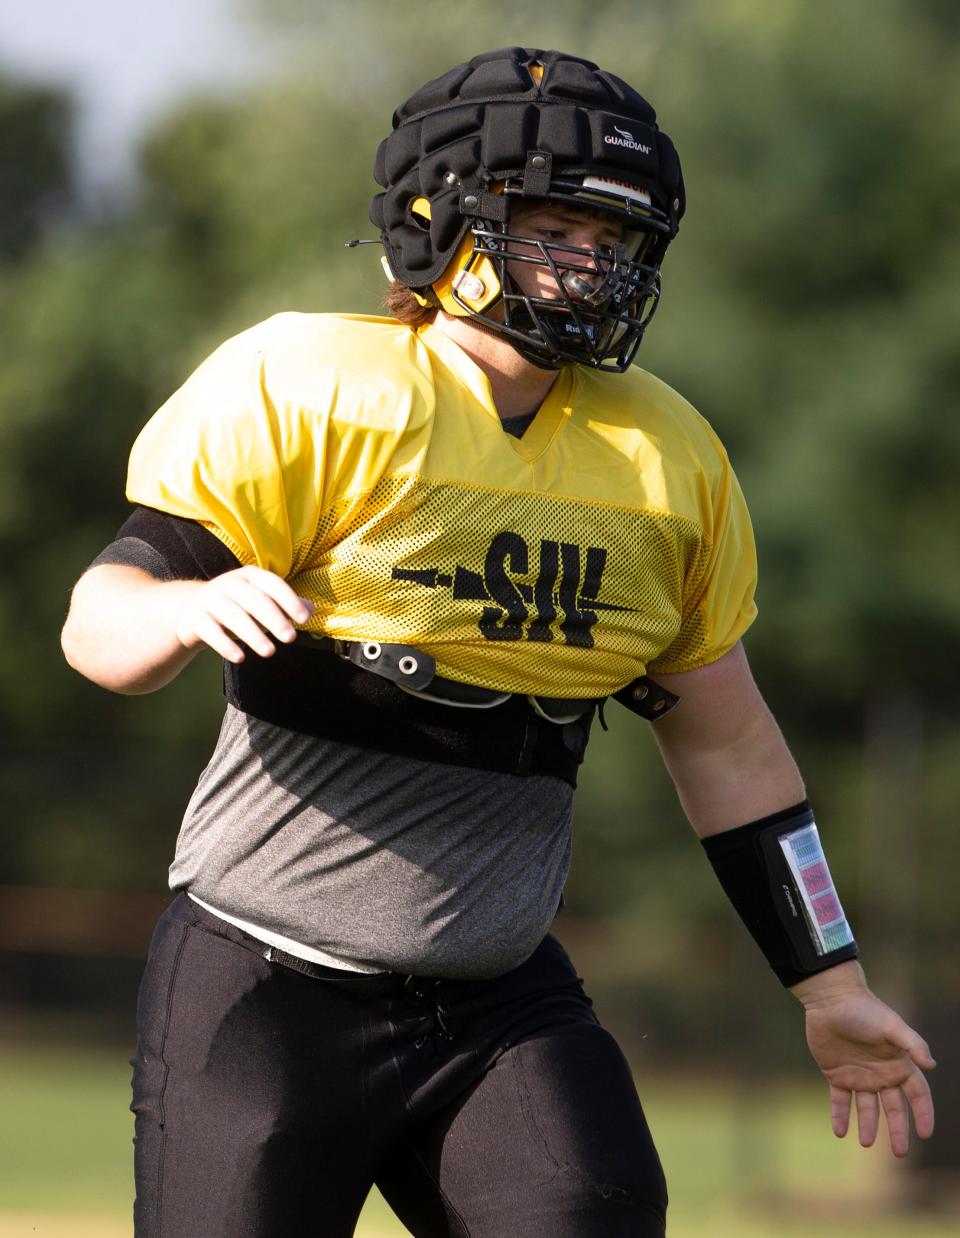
595,292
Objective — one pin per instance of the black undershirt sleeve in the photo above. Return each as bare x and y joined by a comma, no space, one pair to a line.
168,547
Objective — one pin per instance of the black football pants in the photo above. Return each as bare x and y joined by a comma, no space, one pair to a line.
268,1101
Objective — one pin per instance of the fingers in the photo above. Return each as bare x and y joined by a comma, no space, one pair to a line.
897,1103
251,607
918,1049
840,1111
913,1095
898,1120
899,1033
868,1118
917,1091
248,616
247,602
298,608
206,630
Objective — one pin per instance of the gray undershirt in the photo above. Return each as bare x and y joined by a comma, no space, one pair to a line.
390,862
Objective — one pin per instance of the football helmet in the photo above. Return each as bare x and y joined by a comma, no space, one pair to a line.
537,127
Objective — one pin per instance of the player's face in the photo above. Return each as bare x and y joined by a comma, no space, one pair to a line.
571,237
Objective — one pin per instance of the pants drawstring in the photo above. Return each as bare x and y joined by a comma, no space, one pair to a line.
419,990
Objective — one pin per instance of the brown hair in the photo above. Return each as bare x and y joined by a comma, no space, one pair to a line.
405,307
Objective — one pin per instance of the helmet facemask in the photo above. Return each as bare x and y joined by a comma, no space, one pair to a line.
590,305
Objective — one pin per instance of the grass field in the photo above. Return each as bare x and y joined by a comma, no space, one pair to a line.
740,1165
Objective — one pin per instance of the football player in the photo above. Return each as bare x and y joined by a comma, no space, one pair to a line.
429,548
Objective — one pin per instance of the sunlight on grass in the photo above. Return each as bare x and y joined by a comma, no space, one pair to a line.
743,1161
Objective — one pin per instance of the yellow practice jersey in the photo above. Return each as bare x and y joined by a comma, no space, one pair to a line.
366,464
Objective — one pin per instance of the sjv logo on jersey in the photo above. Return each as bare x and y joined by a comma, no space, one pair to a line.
565,585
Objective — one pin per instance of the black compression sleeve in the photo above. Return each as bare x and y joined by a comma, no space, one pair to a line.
168,547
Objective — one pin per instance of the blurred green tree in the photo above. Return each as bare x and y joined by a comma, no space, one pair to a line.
35,173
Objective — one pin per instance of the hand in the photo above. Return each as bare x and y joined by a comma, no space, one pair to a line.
866,1050
248,604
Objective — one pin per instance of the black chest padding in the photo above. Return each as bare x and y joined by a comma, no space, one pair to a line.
311,691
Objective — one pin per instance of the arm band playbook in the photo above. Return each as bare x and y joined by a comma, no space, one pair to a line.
776,875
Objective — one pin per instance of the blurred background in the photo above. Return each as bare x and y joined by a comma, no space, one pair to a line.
170,174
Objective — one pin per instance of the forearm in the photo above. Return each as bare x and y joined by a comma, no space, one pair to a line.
727,778
121,629
744,796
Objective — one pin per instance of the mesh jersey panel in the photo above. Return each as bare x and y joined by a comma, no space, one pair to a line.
367,464
445,567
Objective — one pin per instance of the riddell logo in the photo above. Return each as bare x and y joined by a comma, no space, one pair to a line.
626,139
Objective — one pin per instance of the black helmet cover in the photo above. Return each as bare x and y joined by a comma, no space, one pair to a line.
541,118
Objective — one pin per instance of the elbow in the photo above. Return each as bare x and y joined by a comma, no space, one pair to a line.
76,656
115,635
82,655
71,647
